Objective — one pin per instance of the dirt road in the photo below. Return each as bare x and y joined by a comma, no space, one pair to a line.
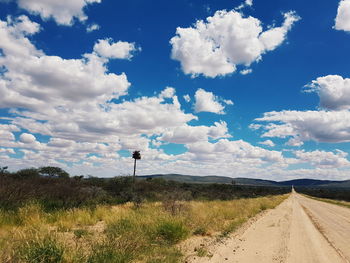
297,231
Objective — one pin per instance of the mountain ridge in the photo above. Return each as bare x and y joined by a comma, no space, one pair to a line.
248,181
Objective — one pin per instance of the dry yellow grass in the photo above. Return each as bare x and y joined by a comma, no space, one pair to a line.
119,233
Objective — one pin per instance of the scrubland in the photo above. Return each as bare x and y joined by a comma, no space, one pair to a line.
148,231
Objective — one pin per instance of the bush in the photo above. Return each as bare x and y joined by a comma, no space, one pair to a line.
171,232
46,250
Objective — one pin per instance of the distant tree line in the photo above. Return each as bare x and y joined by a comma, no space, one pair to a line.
53,188
337,193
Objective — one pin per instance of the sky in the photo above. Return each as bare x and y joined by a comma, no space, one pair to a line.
239,88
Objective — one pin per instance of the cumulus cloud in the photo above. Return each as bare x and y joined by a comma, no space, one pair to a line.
216,46
245,4
323,159
238,151
320,126
187,98
7,151
333,90
246,71
268,143
329,124
249,2
63,12
342,20
206,101
45,97
120,50
92,27
168,92
27,138
190,134
34,80
6,133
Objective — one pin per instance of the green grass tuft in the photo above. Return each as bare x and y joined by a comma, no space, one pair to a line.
109,254
45,250
172,231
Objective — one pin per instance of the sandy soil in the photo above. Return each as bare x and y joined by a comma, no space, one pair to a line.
299,230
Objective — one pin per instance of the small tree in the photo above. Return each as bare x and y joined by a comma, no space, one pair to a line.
136,155
53,171
3,170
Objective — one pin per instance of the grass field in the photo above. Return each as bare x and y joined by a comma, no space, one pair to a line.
148,232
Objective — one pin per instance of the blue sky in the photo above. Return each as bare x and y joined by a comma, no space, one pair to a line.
236,88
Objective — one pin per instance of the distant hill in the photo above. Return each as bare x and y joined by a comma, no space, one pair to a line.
306,182
247,181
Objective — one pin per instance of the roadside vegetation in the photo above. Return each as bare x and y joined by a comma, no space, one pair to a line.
52,188
48,216
339,193
331,201
123,233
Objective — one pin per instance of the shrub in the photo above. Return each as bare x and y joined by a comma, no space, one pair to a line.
171,232
45,250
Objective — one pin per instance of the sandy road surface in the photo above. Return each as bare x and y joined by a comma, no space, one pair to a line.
297,231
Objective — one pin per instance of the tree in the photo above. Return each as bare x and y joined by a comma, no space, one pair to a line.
28,172
53,171
137,156
3,170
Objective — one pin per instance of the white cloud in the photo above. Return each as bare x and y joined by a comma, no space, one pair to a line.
187,98
190,134
113,122
323,159
168,92
268,143
333,90
238,151
207,102
33,80
330,124
245,4
7,151
320,126
227,39
6,133
228,102
342,21
92,27
296,142
246,71
79,121
62,11
249,2
120,50
27,138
